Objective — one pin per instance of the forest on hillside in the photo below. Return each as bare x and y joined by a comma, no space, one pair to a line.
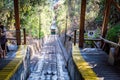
37,16
33,15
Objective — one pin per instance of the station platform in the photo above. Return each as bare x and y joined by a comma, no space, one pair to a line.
9,57
98,61
50,64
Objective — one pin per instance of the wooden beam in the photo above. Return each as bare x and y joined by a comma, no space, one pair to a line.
106,17
96,45
82,21
119,40
24,34
75,37
116,5
17,22
110,42
88,39
66,29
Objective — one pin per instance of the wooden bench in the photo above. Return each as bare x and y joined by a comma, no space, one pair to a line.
83,67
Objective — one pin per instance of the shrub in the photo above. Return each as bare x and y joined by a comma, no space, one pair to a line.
113,33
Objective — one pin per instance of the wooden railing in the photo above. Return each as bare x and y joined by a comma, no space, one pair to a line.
105,45
96,40
110,42
86,39
14,38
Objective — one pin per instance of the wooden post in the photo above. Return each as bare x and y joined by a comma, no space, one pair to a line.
65,30
17,22
39,25
105,20
106,17
117,55
82,21
24,34
116,5
119,40
75,36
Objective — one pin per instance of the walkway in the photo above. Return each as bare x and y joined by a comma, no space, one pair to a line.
9,57
98,61
49,63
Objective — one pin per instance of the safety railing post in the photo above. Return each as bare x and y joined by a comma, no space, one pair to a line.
75,37
24,34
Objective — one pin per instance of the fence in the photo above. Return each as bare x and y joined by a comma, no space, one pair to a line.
11,36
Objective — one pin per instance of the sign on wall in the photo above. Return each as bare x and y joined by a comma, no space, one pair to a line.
91,34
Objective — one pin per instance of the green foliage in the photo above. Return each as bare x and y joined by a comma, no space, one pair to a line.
97,33
113,33
36,15
6,12
61,13
35,18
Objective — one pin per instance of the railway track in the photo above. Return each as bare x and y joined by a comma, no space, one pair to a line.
51,63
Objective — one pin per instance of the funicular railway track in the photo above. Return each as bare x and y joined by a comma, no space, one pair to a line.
51,64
